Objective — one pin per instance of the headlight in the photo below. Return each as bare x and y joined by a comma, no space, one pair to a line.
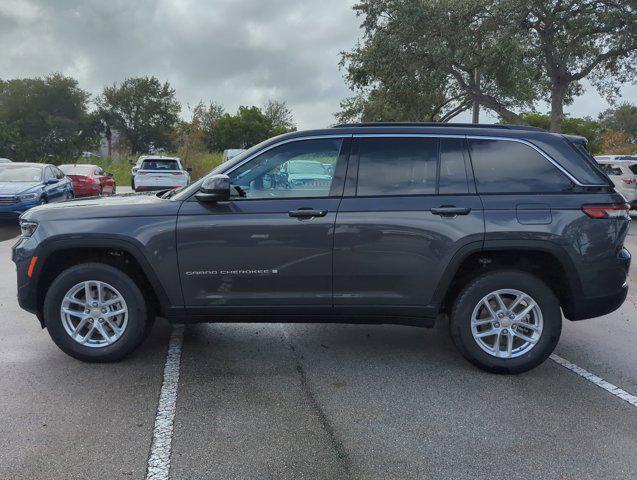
27,228
27,196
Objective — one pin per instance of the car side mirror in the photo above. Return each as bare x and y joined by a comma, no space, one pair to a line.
52,181
215,188
109,175
130,162
189,169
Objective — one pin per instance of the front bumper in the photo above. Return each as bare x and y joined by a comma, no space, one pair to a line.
14,210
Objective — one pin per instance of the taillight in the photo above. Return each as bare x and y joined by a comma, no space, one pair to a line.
606,211
630,180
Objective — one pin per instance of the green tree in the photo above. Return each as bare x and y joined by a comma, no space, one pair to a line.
573,40
243,130
209,119
429,59
621,119
280,117
584,127
44,118
143,109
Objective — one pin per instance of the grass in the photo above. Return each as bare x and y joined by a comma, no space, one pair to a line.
200,162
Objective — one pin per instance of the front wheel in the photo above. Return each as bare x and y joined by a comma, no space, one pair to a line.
506,322
95,313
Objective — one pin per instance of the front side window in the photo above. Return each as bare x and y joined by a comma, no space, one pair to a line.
503,166
397,166
293,170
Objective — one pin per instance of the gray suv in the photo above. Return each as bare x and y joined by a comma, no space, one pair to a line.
500,229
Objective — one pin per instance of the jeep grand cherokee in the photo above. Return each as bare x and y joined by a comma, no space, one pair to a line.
499,228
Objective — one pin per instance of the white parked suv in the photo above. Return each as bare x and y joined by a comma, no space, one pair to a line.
154,172
622,170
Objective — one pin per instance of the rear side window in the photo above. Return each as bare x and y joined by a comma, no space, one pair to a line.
454,178
502,166
397,166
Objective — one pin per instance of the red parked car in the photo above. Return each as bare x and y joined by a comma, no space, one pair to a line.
89,180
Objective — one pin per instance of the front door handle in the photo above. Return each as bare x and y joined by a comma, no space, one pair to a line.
450,211
307,213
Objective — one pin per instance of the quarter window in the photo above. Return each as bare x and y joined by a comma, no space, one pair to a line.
293,170
503,166
397,166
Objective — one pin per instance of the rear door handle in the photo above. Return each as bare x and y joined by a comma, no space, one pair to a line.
450,211
307,213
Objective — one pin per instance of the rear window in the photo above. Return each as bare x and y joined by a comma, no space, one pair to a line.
397,166
77,169
502,166
160,165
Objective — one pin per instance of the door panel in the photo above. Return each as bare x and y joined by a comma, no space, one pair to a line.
243,253
393,250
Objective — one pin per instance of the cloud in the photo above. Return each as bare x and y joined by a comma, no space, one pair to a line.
235,52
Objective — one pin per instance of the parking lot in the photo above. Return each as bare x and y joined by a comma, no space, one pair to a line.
293,401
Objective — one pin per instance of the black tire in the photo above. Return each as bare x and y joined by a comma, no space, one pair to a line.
137,313
460,320
43,201
132,182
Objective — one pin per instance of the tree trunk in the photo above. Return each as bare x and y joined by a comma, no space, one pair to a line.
476,105
558,91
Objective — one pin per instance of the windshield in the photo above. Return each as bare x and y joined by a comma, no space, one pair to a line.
159,165
306,168
77,169
20,173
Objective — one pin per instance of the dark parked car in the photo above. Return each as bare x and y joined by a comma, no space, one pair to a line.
499,228
25,185
89,180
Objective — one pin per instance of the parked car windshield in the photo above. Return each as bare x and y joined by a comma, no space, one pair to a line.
20,173
77,169
159,165
305,167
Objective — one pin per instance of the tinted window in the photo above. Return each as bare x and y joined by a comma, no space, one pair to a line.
296,169
160,165
397,166
58,173
453,168
509,167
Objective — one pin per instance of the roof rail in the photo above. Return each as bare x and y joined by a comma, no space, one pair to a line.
438,124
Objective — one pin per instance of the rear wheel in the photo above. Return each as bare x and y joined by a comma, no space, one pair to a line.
506,322
95,313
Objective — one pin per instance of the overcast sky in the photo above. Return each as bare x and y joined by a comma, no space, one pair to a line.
235,52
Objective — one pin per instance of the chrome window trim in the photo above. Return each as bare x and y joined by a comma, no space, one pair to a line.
486,137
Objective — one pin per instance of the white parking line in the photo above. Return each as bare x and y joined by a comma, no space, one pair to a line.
159,458
600,382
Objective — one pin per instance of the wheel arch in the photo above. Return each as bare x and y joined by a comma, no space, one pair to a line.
549,261
59,254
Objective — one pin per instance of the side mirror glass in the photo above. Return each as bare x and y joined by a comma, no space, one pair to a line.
52,181
215,188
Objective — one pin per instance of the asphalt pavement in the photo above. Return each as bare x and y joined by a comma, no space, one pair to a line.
291,401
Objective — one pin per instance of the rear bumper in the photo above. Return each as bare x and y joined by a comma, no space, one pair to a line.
86,191
586,308
582,307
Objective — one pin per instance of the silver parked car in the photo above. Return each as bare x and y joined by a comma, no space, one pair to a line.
622,170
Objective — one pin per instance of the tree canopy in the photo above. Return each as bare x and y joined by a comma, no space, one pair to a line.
143,109
427,60
44,118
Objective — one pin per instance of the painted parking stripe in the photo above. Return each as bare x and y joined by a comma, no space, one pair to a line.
159,458
600,382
